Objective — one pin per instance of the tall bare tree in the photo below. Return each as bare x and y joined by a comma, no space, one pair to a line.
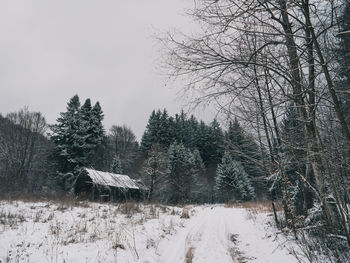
255,57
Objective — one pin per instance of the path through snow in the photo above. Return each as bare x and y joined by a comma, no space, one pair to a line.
219,234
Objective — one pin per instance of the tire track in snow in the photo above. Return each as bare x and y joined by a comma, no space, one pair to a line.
206,232
175,248
215,243
220,235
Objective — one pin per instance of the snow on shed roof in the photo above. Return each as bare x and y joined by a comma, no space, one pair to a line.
111,179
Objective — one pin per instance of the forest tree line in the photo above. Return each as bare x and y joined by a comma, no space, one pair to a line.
180,159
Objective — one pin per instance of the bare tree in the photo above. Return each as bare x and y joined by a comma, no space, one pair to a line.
22,148
122,142
255,57
154,168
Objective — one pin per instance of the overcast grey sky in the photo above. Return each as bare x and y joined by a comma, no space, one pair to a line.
104,50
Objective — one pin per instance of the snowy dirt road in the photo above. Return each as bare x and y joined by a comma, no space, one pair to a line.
219,234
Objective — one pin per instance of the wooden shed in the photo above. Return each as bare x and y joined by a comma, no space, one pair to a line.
104,186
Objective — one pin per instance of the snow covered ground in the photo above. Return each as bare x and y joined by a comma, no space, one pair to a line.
94,232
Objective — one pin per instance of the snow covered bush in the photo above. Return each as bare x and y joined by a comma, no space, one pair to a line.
315,214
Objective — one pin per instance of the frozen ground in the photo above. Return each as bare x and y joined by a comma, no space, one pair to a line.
93,232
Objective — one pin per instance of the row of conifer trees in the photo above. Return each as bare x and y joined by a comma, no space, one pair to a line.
180,158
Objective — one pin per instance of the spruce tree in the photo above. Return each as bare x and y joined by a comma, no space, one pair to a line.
203,143
216,139
160,129
232,182
96,138
97,131
246,151
179,176
86,128
85,111
292,134
66,136
343,58
344,44
150,135
199,191
163,131
294,155
181,134
192,129
76,135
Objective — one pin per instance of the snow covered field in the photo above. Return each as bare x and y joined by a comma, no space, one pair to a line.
94,232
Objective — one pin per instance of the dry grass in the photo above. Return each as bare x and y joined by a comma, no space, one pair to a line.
185,213
163,208
11,219
62,200
256,206
189,254
129,208
174,212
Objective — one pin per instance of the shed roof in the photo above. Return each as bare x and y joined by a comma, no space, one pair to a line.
111,179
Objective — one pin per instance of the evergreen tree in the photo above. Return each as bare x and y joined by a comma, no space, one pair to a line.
164,130
180,174
199,191
216,138
97,131
180,127
86,128
246,151
148,135
343,58
209,142
85,111
344,45
192,131
93,131
66,136
156,131
172,130
292,134
203,143
232,182
294,155
76,135
116,166
102,156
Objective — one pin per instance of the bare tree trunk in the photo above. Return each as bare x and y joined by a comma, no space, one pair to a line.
272,163
311,143
336,103
340,204
308,196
